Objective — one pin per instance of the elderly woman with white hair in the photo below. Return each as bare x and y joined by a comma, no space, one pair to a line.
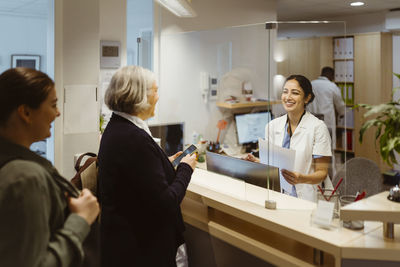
139,190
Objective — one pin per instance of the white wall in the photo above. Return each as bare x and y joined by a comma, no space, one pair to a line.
79,27
22,35
30,34
76,63
113,23
184,55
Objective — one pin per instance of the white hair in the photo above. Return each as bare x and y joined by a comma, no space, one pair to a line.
128,89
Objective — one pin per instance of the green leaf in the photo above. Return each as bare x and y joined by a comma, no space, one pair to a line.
367,125
391,143
379,109
378,131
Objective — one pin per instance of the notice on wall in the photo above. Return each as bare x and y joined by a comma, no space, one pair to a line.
81,109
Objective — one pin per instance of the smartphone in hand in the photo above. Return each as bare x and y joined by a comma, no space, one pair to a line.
190,150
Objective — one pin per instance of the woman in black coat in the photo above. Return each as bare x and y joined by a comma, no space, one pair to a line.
139,190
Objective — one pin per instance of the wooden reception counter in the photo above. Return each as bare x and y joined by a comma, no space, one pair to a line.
233,211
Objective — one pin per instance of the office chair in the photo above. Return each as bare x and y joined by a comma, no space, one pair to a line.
359,174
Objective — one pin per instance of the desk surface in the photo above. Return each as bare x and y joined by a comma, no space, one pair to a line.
292,218
373,208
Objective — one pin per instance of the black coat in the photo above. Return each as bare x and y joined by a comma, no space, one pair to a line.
140,195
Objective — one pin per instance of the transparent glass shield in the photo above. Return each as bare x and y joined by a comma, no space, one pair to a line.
212,80
205,76
233,75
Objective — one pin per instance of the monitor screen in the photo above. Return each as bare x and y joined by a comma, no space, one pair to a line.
171,136
251,126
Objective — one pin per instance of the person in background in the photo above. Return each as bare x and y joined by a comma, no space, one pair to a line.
139,190
44,219
301,131
328,100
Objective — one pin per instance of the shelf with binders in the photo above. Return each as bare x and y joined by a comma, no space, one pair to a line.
343,48
344,146
347,91
344,139
345,132
343,62
344,127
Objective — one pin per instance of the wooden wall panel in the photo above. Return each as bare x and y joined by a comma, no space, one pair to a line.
325,52
373,58
387,66
282,55
304,56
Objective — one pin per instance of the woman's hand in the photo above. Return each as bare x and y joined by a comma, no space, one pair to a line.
190,160
85,205
250,157
292,177
173,157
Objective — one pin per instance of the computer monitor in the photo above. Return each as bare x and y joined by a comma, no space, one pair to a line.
251,126
171,136
250,172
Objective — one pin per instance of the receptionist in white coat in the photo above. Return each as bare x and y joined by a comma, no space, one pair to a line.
301,131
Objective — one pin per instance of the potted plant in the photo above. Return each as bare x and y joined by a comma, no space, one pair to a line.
386,120
387,123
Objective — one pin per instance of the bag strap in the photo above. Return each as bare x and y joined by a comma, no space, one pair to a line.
78,162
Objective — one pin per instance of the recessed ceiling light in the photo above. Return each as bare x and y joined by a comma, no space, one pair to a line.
357,4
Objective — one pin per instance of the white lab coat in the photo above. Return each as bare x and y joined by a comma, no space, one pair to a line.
311,137
328,98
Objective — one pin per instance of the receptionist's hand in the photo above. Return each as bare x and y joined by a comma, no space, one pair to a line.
291,177
250,157
173,157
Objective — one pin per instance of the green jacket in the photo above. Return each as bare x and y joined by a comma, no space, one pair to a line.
36,228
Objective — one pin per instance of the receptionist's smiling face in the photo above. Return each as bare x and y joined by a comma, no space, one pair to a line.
293,97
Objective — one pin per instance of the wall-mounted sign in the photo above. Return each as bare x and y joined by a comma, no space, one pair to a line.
110,54
27,61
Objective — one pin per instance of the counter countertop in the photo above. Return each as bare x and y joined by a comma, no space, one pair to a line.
291,219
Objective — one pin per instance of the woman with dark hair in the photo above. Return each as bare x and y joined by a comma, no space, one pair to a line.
44,219
301,131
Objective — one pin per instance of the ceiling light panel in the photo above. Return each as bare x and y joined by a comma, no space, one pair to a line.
357,3
180,8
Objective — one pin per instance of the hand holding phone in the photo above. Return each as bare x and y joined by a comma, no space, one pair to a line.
190,150
190,160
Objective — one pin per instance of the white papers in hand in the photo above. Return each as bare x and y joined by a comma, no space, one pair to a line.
280,157
277,156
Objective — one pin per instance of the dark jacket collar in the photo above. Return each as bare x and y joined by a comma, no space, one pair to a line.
10,151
